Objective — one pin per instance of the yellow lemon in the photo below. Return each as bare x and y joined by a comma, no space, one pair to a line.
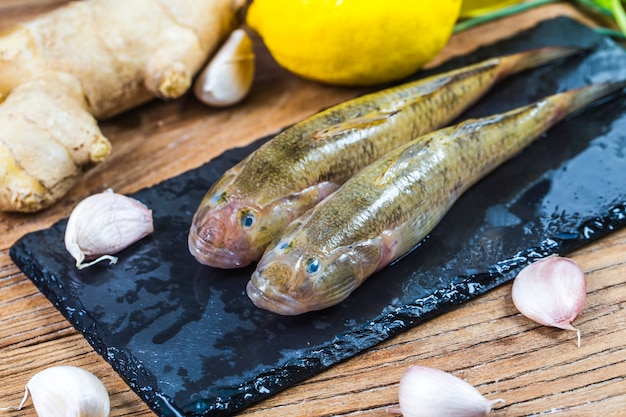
353,42
473,8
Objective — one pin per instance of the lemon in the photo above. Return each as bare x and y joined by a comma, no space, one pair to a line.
473,8
353,42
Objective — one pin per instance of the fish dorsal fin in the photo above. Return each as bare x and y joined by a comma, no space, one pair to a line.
362,122
407,154
397,164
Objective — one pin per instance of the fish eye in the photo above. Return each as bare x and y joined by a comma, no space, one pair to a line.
247,219
312,265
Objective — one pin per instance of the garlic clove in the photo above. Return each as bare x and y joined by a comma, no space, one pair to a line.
430,392
227,78
67,391
104,224
551,291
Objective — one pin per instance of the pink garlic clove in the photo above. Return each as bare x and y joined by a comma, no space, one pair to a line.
104,224
429,392
551,292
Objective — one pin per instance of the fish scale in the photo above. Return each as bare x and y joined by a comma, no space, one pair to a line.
386,209
305,163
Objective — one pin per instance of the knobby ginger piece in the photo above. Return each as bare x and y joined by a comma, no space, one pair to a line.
46,138
85,61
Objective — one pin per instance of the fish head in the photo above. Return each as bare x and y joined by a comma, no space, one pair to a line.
225,230
220,235
231,229
291,281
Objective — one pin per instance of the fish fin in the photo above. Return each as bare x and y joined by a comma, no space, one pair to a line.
297,204
367,258
584,96
521,61
313,194
373,119
400,241
396,165
408,153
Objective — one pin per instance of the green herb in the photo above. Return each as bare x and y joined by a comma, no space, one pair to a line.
618,14
500,13
611,8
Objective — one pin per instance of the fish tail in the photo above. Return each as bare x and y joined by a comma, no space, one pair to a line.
559,106
567,104
582,97
521,61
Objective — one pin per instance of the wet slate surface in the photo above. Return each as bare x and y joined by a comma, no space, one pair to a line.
187,339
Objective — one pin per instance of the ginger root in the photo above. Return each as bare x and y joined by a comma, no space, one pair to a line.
86,61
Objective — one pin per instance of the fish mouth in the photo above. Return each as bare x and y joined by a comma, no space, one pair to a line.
278,303
211,255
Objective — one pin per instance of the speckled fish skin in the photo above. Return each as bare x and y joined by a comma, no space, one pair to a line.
386,209
255,200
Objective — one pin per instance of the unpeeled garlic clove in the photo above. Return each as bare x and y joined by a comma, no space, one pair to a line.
551,291
103,224
67,391
227,78
430,392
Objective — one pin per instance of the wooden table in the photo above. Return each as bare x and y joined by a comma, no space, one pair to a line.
537,370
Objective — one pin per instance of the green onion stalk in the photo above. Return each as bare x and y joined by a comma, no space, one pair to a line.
613,9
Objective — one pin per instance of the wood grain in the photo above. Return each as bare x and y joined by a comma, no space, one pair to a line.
536,370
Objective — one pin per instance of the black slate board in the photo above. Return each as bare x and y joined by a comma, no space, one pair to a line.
187,339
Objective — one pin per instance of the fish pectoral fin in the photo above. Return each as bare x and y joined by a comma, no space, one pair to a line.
363,122
312,195
400,241
296,205
366,257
